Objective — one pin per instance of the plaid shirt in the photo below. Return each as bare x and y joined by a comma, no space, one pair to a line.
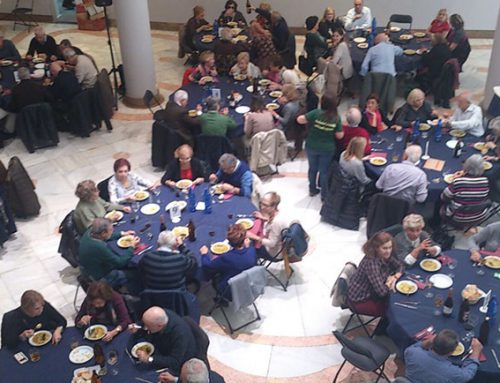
369,280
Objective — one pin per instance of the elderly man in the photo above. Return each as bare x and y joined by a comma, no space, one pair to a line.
64,44
65,85
467,117
487,239
405,180
8,50
352,129
380,58
167,267
225,51
359,17
170,334
235,176
176,116
413,242
27,92
42,44
427,361
214,123
85,69
193,371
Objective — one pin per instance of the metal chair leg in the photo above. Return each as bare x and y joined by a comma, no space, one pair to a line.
338,372
76,297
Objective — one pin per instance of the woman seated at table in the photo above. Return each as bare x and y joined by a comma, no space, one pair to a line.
488,239
184,167
124,184
103,305
458,40
244,67
205,68
493,143
414,242
376,276
91,206
274,72
416,108
465,198
341,54
433,62
98,261
373,119
33,315
329,24
225,51
259,119
351,160
262,46
315,44
196,24
231,14
240,258
440,23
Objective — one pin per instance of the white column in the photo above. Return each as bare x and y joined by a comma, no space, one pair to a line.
132,18
493,78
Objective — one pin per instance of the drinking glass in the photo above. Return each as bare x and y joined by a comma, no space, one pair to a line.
34,354
73,343
113,360
452,264
429,294
399,137
438,303
395,158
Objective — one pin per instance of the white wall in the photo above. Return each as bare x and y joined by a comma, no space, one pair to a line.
40,7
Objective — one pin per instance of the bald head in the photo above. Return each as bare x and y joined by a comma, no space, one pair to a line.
55,68
155,319
353,117
413,153
194,371
463,101
380,38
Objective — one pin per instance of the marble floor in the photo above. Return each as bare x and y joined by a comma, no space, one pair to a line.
293,341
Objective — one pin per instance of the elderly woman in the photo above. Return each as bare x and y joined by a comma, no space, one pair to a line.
324,128
329,23
416,108
315,44
196,24
240,258
373,119
184,167
98,261
458,40
234,174
103,305
352,129
124,184
376,276
244,67
262,46
440,23
231,14
259,119
287,114
225,51
464,199
493,143
33,315
488,239
268,226
433,61
351,160
205,68
413,242
91,205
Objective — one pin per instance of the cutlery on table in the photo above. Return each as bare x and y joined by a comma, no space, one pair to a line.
38,326
406,306
143,380
496,357
130,356
469,351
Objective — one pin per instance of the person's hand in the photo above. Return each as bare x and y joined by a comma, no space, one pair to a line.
457,174
490,145
84,320
202,81
475,256
56,335
53,58
391,283
29,57
130,198
212,178
227,187
127,209
425,244
427,341
274,86
199,180
143,356
136,241
7,92
128,232
166,377
258,215
170,183
384,126
132,329
246,242
397,128
203,250
110,335
199,108
490,158
225,111
477,347
26,334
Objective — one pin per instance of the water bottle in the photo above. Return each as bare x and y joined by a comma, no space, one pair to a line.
191,200
175,213
416,131
216,28
492,308
208,201
438,133
371,36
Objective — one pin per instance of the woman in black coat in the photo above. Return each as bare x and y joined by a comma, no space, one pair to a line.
433,62
184,166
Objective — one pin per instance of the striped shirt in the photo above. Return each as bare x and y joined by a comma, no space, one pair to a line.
466,191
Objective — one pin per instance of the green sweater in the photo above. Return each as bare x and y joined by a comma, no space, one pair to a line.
321,131
85,212
98,259
215,124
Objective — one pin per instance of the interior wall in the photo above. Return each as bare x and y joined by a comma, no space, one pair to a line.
40,7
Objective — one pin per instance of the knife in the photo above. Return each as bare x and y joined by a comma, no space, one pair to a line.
143,380
407,306
496,357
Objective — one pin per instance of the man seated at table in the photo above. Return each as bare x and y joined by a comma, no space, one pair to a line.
167,267
414,242
427,361
193,371
64,44
177,118
8,50
467,117
405,180
65,84
26,92
487,239
380,58
42,43
215,123
234,174
225,51
359,17
352,129
170,334
34,314
85,69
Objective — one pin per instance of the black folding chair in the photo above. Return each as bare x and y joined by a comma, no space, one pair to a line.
148,99
401,19
23,14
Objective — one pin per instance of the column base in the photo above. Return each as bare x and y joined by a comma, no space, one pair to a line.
138,103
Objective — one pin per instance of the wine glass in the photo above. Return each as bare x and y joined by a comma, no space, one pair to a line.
438,303
113,360
429,294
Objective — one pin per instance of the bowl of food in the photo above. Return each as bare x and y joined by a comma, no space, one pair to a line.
192,113
247,223
406,37
492,262
457,133
359,40
125,242
459,350
410,52
487,165
184,184
362,45
40,338
241,38
264,82
220,248
406,287
207,79
419,34
147,347
181,204
114,215
272,106
218,189
236,31
378,161
181,231
448,178
38,60
232,24
423,127
81,354
240,77
276,93
472,294
141,195
430,265
150,209
95,332
394,29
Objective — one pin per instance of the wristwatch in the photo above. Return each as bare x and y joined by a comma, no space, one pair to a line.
150,359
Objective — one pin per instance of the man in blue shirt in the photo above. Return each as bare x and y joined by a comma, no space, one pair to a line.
427,361
380,58
235,176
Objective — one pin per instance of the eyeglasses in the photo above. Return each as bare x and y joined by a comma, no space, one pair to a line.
263,204
185,159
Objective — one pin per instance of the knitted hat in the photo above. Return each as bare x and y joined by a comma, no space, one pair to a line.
311,22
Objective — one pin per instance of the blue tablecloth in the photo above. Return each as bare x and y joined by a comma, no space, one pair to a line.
403,63
223,214
54,365
404,323
201,46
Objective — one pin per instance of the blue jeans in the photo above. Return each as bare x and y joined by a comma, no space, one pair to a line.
319,161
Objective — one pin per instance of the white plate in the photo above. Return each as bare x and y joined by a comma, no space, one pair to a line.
459,350
125,241
77,373
182,205
250,89
441,281
272,106
247,223
492,262
140,344
48,337
40,66
88,330
141,195
413,286
358,40
378,161
430,261
451,144
38,73
242,109
184,184
81,354
150,209
114,215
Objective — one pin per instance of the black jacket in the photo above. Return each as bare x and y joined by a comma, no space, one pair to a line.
65,86
49,47
173,170
27,92
177,118
435,59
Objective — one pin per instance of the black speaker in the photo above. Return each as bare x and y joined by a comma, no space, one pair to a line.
103,3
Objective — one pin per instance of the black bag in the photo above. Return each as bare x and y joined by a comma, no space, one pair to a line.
306,65
444,240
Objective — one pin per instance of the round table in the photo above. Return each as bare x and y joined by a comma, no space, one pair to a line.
202,46
404,323
54,364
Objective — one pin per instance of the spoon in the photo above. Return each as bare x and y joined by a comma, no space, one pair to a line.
38,326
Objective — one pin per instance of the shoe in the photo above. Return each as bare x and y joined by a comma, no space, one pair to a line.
313,193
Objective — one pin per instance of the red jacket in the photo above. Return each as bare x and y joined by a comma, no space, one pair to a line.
350,133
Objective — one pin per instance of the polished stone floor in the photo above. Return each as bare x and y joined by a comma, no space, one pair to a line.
293,341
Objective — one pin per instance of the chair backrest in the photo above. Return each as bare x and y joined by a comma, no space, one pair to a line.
201,339
349,344
83,114
36,127
401,19
103,189
70,240
401,379
164,141
341,285
21,190
384,86
104,95
385,211
210,148
247,286
394,229
295,240
182,302
185,76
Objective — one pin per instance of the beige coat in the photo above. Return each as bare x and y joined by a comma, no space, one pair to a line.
267,148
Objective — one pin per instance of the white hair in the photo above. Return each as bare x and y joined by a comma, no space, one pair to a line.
167,238
413,152
353,116
24,73
180,95
413,221
228,160
69,52
289,76
474,165
195,371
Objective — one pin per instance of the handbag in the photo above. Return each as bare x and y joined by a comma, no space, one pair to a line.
306,65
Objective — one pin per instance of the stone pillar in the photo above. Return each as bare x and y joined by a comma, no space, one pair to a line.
493,78
132,18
